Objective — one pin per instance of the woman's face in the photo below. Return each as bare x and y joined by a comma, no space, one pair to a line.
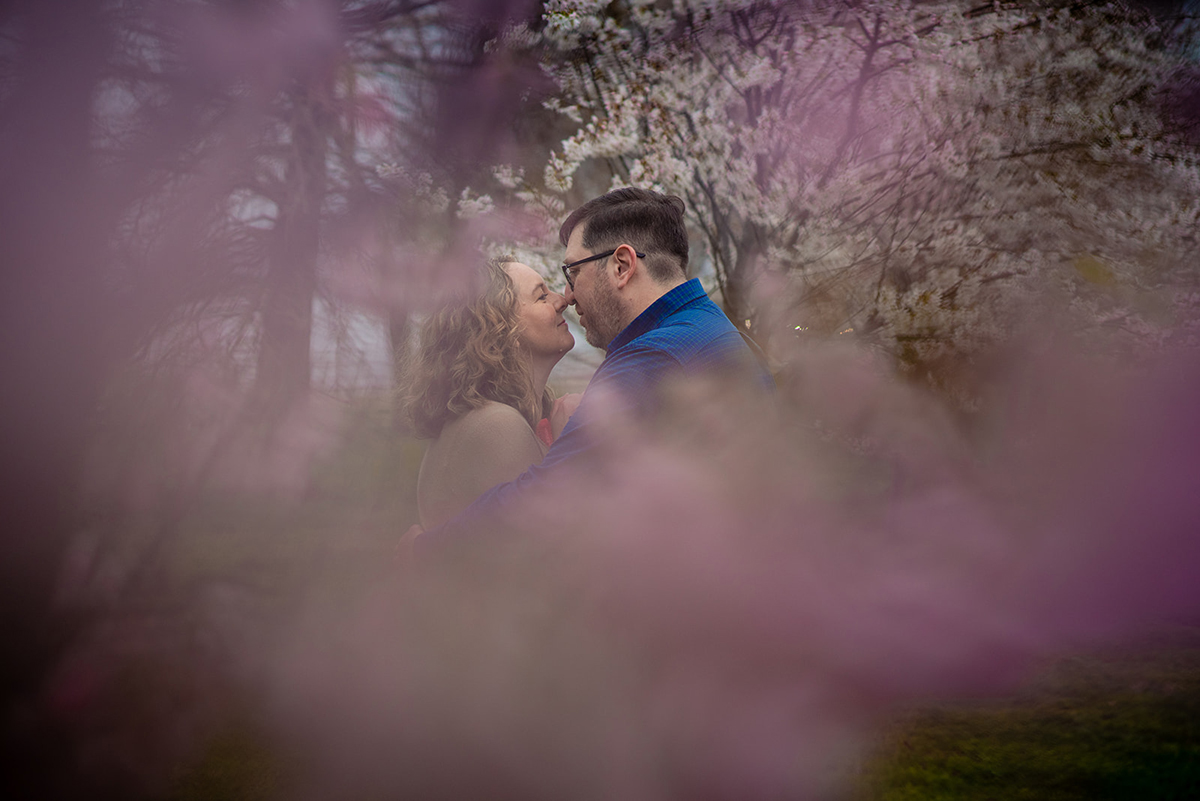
542,328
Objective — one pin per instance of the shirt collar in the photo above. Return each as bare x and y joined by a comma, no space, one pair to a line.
659,310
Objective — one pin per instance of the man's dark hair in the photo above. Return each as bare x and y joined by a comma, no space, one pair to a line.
651,222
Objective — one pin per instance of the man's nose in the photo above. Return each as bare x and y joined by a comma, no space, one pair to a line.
569,296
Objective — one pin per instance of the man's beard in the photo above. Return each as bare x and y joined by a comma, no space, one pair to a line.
603,315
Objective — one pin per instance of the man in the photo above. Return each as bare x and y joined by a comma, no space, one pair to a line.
626,271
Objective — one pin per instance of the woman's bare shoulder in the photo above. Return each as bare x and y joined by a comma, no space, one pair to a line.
492,416
493,411
485,447
493,428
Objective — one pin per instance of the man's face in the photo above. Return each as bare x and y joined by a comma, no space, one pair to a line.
594,296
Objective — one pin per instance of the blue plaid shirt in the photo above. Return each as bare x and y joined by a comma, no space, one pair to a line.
682,333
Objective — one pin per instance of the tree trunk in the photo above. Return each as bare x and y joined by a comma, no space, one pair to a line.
740,277
284,363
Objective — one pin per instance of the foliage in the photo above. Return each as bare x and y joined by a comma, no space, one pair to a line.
916,170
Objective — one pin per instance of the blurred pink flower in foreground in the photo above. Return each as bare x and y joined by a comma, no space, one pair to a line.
722,602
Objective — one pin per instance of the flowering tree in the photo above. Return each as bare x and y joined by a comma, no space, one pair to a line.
913,169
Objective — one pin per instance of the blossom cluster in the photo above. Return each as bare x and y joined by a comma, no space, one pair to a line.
916,171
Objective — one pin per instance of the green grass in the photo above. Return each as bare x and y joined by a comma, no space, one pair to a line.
235,766
1113,726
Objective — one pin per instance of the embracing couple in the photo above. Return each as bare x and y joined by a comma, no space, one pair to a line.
479,387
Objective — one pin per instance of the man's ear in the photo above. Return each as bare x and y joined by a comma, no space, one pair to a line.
626,261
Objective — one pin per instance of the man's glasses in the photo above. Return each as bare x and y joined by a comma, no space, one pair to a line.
572,269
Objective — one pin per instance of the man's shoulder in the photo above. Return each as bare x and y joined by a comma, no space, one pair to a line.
699,337
698,325
693,336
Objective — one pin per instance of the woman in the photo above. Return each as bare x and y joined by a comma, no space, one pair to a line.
478,388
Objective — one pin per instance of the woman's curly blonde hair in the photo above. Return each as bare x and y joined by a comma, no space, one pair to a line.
468,354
